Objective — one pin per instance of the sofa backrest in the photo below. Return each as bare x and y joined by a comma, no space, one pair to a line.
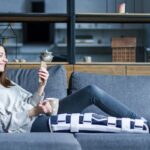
133,91
28,79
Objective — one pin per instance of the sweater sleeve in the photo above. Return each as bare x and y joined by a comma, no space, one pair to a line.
32,99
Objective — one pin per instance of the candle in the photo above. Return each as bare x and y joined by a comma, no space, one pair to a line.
121,8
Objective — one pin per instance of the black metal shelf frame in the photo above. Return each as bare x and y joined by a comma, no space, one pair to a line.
71,31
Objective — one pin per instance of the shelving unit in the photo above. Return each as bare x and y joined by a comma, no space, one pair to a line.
116,18
105,18
70,18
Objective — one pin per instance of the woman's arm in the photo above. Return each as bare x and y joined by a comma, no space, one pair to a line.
42,108
14,121
39,94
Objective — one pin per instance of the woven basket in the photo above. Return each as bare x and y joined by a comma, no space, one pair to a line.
124,49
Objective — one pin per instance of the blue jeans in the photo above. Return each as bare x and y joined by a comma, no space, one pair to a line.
85,97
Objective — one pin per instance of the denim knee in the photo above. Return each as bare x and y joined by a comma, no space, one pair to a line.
93,88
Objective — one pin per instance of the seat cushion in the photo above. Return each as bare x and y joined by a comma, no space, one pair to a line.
38,141
133,91
111,141
28,79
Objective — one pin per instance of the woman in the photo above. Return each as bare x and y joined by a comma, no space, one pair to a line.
20,110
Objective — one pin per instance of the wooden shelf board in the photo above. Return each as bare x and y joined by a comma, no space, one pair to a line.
82,17
113,63
113,17
37,63
33,17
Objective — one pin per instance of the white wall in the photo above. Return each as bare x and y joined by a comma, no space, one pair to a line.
13,5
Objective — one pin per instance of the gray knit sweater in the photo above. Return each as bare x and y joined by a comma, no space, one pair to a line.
14,105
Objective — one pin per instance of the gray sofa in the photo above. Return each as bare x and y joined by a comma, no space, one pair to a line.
134,91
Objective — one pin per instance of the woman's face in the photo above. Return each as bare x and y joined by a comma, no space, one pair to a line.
3,59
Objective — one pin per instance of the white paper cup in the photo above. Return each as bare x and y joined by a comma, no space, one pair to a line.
88,59
54,102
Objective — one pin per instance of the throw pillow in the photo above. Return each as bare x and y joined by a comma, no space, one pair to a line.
28,79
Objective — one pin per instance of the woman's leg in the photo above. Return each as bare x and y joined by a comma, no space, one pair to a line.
41,124
89,95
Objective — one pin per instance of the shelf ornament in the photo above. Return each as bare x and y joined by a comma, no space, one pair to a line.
8,34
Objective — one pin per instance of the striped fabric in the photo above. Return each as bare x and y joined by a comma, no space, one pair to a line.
91,122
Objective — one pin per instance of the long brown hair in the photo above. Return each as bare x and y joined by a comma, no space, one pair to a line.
3,78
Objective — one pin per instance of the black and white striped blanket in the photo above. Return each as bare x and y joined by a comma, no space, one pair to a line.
91,122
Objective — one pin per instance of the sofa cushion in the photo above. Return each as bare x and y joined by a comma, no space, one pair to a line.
28,79
133,91
38,141
110,141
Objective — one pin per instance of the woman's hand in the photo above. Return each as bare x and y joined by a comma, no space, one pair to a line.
43,75
43,107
